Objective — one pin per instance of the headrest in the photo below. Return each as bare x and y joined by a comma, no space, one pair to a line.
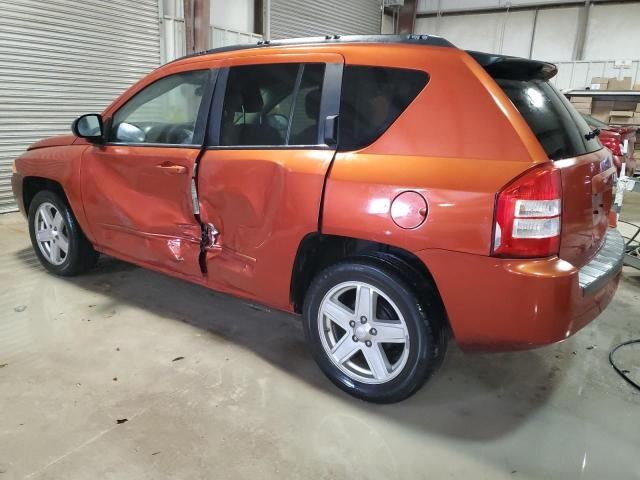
251,99
243,97
312,103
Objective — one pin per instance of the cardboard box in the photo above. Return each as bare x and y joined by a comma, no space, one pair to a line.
615,84
638,107
619,120
602,116
582,100
599,103
584,110
599,80
624,120
636,87
624,105
621,113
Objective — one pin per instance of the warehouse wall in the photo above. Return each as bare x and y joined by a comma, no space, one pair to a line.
612,29
431,6
555,35
233,15
613,32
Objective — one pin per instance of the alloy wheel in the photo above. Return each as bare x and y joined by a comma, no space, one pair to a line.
52,234
363,332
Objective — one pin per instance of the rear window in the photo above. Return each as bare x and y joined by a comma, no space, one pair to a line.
371,100
560,129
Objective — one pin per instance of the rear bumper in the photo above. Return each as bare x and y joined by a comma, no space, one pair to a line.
501,304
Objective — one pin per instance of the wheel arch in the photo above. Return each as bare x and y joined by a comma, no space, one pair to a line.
31,185
317,251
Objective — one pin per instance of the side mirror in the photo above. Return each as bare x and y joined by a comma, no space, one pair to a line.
89,127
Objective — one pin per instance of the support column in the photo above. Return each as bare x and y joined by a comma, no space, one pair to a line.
258,17
407,16
581,35
196,25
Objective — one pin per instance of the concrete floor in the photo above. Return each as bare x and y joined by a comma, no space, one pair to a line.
247,401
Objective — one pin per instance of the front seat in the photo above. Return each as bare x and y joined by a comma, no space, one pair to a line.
309,135
247,99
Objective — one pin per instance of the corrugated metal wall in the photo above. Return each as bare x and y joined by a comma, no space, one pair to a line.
61,58
302,18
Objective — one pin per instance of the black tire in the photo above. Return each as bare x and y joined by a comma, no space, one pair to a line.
427,337
81,255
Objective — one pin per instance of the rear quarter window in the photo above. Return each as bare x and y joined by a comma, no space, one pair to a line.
372,99
559,128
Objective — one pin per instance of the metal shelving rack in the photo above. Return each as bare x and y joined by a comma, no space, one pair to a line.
632,94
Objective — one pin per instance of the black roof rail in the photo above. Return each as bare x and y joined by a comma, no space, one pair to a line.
413,39
515,68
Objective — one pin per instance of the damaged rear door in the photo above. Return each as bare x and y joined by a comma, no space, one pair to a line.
137,186
261,178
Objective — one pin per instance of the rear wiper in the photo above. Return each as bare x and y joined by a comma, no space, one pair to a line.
592,134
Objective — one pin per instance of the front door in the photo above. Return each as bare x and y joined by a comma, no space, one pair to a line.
137,188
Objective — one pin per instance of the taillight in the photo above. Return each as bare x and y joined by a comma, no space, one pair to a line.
528,215
613,145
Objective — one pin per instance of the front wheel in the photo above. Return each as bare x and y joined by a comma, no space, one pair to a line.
369,333
56,236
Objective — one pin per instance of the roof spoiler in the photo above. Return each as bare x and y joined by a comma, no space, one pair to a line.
514,68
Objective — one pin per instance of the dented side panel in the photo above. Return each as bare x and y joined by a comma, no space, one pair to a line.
263,203
138,208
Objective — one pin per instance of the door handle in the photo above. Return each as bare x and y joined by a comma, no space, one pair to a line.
172,167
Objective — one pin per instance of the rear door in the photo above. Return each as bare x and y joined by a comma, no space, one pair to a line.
587,169
261,176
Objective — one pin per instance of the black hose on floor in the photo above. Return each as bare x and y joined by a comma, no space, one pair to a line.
621,372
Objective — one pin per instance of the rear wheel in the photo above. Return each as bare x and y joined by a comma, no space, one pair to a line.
56,237
369,333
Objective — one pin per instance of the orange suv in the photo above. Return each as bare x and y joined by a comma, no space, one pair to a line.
394,190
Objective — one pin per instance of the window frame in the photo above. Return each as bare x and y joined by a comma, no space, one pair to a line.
329,105
199,132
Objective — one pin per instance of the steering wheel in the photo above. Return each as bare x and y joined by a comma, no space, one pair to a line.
178,134
171,134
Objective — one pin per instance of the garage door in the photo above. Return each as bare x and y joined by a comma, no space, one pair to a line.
61,58
303,18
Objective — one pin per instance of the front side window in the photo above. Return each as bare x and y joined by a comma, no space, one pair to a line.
272,105
165,112
372,99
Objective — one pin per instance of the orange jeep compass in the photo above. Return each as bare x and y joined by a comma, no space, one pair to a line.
394,190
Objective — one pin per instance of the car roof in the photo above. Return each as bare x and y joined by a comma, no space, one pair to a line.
503,66
411,39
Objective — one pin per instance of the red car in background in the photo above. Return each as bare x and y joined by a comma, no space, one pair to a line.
615,138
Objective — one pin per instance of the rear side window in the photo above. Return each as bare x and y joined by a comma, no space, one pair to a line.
272,105
558,126
372,99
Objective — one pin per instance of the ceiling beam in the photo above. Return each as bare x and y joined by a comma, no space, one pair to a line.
518,8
